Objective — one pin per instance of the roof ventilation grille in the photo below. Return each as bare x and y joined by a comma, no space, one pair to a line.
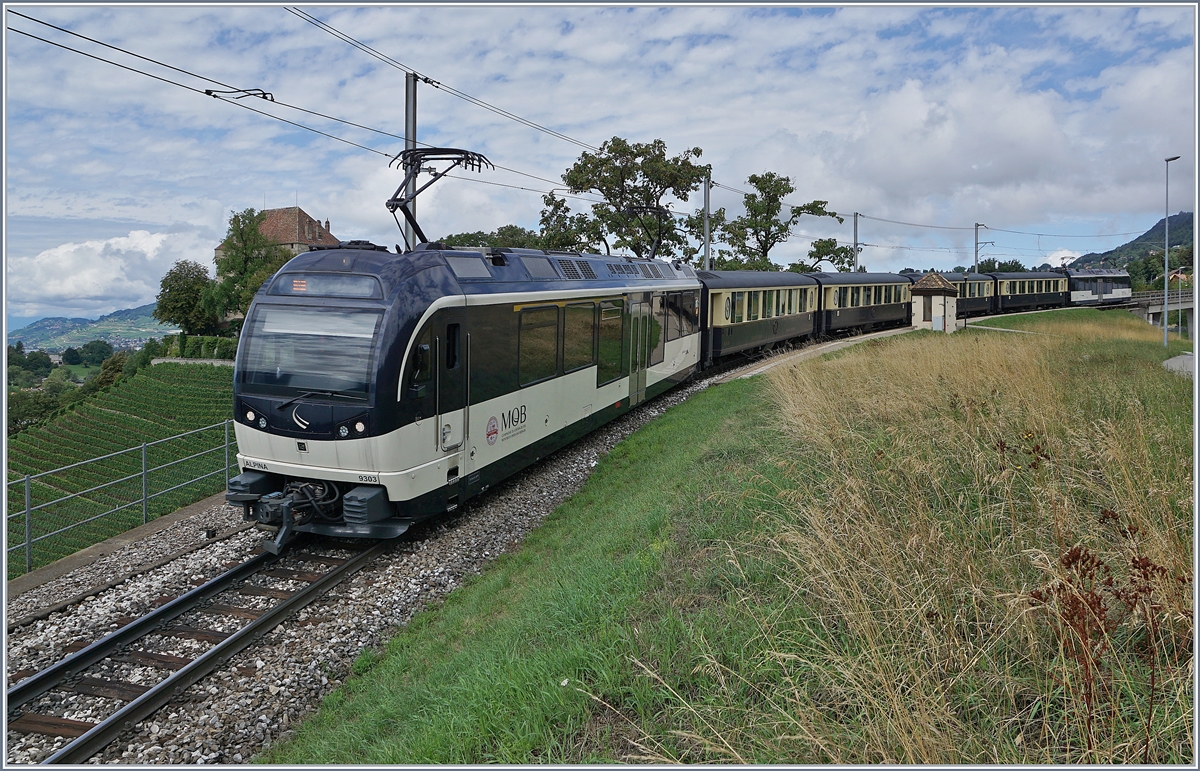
646,271
569,270
655,271
585,268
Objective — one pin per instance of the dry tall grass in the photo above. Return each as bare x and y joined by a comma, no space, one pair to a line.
985,543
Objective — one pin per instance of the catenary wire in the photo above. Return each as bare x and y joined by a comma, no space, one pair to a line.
240,104
436,84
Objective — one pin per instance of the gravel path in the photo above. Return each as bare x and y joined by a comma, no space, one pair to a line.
238,711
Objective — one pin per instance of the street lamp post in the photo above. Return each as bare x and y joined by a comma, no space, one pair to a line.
1167,244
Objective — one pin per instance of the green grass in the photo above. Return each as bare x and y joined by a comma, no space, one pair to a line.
790,570
156,403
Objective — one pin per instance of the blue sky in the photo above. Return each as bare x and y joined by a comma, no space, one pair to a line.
1052,120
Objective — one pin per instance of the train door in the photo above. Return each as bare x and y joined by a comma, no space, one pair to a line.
639,325
451,382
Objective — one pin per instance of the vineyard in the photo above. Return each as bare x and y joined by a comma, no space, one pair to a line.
156,404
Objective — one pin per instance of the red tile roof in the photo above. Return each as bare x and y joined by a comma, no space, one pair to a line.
293,226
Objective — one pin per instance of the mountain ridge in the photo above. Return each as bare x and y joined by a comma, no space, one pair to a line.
1140,247
125,328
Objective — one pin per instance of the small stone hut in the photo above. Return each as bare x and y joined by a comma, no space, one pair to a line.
934,304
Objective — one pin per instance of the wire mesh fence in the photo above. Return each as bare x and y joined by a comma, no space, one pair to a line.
57,513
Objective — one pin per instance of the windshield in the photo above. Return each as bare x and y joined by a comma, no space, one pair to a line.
287,349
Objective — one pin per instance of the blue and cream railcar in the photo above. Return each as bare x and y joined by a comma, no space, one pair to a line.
745,310
1029,291
1098,286
862,301
374,389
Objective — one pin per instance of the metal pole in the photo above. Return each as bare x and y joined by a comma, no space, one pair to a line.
855,242
145,498
1166,244
707,254
976,247
227,454
28,529
410,143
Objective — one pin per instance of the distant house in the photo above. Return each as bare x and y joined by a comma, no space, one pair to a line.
292,229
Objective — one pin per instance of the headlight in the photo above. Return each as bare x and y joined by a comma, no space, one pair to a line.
343,432
250,416
262,422
360,427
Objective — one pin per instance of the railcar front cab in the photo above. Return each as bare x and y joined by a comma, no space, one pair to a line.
1098,286
863,300
314,404
747,310
1030,291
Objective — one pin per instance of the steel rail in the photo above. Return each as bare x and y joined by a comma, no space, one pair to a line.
219,655
45,680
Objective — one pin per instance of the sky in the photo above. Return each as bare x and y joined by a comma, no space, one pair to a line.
1051,120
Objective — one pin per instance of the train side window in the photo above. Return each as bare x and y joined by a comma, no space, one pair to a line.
674,318
866,295
420,365
612,316
537,357
755,298
768,303
579,322
688,311
843,297
451,346
739,306
855,296
658,329
962,289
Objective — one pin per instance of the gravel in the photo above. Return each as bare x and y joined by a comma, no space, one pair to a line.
240,710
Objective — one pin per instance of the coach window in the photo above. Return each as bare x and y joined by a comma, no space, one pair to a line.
687,313
843,297
673,317
538,345
612,315
855,296
420,365
579,322
658,330
755,298
739,306
768,303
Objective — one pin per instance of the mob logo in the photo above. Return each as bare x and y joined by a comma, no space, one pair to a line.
514,417
493,430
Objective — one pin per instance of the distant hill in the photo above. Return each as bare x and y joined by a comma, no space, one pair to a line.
127,328
1140,247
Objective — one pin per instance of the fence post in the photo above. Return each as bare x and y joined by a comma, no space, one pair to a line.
145,499
227,455
28,529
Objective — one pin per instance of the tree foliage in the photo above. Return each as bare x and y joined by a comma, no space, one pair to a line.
506,235
95,352
564,230
991,265
181,296
633,179
247,260
840,258
753,235
71,356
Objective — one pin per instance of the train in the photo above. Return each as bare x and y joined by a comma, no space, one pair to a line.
375,389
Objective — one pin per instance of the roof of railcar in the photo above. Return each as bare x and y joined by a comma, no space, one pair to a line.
859,278
750,279
1025,275
1097,273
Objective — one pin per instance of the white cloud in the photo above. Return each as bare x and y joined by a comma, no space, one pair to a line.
1031,119
97,277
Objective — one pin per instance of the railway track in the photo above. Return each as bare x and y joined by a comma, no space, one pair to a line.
227,613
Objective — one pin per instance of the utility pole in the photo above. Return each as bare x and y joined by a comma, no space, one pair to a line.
978,225
707,188
410,143
855,242
1167,245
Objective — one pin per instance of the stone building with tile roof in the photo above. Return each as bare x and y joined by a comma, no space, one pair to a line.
293,229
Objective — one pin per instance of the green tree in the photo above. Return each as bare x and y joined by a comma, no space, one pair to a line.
840,258
633,179
247,260
693,226
566,231
95,352
27,409
513,236
71,356
754,234
180,299
990,265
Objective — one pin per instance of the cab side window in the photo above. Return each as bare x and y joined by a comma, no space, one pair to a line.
419,367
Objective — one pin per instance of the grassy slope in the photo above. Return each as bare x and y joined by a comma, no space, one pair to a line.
156,403
823,574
